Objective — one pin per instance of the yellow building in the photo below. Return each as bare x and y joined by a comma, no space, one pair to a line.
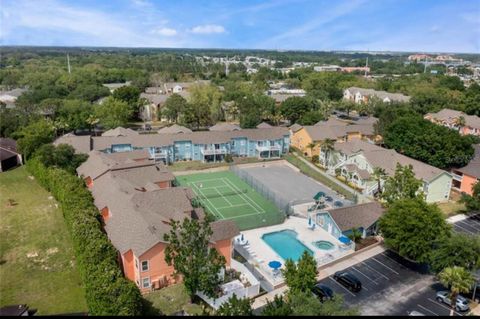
308,139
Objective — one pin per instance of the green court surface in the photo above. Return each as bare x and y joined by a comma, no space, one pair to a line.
226,196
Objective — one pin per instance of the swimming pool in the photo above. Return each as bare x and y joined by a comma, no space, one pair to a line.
324,245
286,244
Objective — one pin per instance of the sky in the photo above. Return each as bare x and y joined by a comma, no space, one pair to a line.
375,25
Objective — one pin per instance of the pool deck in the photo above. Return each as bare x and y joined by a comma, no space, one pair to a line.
259,253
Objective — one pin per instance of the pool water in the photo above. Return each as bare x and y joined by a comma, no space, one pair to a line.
286,244
324,245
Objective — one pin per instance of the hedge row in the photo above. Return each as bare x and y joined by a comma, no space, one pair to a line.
108,292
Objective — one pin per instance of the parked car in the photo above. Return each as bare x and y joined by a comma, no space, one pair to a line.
462,302
348,280
322,292
415,313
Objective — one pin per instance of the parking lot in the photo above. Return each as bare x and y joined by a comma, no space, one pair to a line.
391,285
469,226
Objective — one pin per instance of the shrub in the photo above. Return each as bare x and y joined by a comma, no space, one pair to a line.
107,291
315,159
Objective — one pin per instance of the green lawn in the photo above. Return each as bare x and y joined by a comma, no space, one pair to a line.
37,264
170,300
226,196
307,170
452,208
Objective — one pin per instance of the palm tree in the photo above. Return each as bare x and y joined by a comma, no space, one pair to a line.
459,280
327,147
460,121
355,235
379,173
311,146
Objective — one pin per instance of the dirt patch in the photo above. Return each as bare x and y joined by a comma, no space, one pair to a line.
53,250
32,254
365,242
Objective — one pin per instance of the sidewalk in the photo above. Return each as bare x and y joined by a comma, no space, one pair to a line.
323,273
361,198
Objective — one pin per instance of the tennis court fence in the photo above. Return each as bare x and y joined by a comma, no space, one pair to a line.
282,203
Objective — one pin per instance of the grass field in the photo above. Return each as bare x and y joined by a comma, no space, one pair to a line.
226,196
37,264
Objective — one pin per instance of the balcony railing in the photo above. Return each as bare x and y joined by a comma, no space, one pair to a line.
457,177
268,148
213,151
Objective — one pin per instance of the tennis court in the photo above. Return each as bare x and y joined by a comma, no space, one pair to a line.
226,196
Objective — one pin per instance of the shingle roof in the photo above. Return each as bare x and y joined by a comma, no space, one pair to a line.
174,129
169,137
120,131
154,98
8,148
387,159
334,128
380,94
140,211
264,125
295,127
98,162
473,168
450,116
223,229
81,144
224,127
362,215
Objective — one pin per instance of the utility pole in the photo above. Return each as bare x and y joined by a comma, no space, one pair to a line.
68,64
366,66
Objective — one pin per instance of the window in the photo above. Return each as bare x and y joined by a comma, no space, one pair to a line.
146,282
145,265
242,142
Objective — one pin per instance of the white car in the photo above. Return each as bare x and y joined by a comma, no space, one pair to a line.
415,313
462,302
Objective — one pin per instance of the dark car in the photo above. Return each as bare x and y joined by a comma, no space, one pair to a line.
322,292
348,280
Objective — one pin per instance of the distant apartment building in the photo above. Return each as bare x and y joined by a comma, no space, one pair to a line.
356,160
350,69
327,68
360,95
418,57
178,143
456,120
9,98
158,95
309,138
137,202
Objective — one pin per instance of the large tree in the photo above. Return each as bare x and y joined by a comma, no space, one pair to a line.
207,96
402,185
430,143
458,250
61,156
295,107
301,276
34,135
411,227
236,307
190,252
113,113
75,113
459,280
173,107
128,94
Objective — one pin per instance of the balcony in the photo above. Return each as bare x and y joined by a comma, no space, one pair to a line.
213,151
457,177
275,147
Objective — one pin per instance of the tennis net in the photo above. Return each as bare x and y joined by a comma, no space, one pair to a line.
224,194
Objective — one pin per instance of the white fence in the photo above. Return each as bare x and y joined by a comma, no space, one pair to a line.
238,289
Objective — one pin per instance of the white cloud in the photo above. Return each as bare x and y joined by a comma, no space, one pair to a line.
166,32
208,29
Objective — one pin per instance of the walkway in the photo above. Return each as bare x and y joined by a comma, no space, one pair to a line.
323,273
361,198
